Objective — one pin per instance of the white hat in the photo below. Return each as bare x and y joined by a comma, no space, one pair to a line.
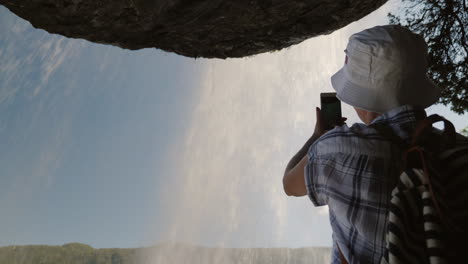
385,67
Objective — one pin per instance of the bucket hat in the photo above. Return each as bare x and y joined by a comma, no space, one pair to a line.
385,67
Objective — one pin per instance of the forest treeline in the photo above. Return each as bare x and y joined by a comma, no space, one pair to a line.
73,253
76,253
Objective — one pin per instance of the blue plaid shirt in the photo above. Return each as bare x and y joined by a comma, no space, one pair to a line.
353,170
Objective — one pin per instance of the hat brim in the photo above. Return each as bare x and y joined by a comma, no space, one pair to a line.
422,92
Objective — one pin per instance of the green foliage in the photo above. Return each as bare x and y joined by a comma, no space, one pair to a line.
443,24
163,253
73,253
464,131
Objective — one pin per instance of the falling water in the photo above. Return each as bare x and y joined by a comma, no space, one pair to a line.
251,115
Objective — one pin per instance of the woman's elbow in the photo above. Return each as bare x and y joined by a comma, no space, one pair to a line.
288,186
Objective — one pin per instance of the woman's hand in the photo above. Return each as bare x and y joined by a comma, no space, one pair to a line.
320,124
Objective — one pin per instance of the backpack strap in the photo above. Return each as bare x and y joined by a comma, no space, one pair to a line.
421,133
419,151
424,127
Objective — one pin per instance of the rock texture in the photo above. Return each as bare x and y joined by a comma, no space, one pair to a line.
194,28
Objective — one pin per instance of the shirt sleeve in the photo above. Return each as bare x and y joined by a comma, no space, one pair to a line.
312,175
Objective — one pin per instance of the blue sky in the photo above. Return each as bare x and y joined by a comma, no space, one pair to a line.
118,148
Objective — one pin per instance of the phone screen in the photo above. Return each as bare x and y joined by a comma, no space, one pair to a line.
331,109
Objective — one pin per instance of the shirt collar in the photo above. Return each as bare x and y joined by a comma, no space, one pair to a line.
405,113
401,120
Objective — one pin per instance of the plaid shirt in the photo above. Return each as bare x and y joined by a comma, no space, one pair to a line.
353,170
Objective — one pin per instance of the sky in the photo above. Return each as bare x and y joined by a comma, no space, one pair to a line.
119,148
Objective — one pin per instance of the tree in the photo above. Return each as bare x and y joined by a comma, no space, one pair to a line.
464,131
443,24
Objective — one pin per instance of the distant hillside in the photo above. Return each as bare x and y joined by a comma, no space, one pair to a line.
73,253
76,253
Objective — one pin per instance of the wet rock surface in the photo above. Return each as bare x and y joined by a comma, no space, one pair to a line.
193,28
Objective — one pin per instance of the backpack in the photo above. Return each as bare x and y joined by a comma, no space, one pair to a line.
428,212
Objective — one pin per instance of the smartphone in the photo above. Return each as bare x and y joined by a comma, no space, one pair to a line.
331,110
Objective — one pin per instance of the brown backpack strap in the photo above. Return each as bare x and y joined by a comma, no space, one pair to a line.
425,126
424,166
